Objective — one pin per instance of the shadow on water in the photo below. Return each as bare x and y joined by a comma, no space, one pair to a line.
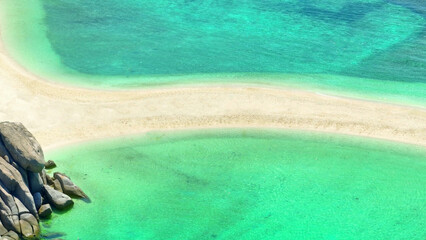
47,223
417,6
52,235
46,233
408,56
350,12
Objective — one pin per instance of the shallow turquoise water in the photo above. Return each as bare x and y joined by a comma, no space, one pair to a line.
235,184
134,37
359,48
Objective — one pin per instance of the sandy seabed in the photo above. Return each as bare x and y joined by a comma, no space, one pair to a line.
58,114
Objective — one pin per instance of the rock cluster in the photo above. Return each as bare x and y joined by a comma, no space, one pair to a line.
27,193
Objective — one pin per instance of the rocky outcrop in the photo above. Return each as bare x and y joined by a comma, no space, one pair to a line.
45,211
3,230
11,235
13,183
3,151
22,146
57,185
68,187
9,215
50,164
28,222
27,192
57,199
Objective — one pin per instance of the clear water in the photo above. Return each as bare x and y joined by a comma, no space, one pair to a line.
134,37
238,184
380,43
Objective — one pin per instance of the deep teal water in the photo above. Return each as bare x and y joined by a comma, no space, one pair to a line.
379,39
244,185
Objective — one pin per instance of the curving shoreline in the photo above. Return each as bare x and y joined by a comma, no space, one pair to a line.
59,114
24,25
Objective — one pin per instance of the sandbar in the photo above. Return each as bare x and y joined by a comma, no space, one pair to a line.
59,114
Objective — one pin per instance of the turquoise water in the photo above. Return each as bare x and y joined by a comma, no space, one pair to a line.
134,37
235,184
381,44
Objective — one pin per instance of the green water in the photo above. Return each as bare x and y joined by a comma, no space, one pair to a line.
235,184
368,48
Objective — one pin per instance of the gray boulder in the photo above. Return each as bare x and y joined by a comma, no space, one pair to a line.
13,183
22,171
9,213
49,180
57,185
43,176
45,211
29,225
57,199
22,146
3,230
25,194
68,187
11,235
16,217
50,164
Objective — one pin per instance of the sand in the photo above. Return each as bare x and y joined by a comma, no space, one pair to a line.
58,114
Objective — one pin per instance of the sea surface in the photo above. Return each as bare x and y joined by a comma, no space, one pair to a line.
236,184
370,47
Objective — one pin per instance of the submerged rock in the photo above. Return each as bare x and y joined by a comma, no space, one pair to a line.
57,199
68,187
54,235
22,146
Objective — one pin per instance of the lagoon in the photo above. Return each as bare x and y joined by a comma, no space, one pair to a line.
244,184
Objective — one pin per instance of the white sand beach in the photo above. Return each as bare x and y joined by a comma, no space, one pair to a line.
59,114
